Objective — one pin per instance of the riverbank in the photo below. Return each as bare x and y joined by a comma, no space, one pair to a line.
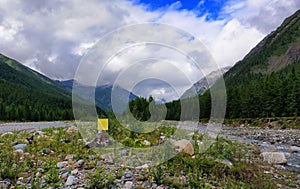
273,122
18,126
59,158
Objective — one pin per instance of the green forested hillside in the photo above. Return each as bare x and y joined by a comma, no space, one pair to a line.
266,83
28,95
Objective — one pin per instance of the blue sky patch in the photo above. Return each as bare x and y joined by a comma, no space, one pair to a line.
211,8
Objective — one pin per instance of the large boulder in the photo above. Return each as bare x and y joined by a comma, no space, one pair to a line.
274,157
184,146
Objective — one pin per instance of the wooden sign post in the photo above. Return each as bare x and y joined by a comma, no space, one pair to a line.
102,126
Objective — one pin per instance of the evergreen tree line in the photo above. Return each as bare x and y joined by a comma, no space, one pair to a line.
271,95
274,95
22,104
140,108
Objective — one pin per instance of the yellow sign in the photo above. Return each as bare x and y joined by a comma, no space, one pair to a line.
102,124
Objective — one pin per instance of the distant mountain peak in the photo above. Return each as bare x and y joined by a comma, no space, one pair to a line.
103,94
203,84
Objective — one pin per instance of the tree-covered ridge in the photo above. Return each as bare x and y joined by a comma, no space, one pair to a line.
20,103
14,72
28,95
273,95
277,94
266,83
285,41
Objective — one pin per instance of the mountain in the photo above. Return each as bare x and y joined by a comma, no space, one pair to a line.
26,95
275,52
103,95
67,84
202,85
266,83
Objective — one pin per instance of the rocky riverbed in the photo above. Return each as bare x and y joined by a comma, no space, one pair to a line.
289,137
59,156
283,143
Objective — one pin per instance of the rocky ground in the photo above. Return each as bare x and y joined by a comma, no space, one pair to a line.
278,146
59,158
273,136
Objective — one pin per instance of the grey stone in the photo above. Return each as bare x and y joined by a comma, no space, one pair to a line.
70,157
74,172
72,129
5,184
184,146
153,185
79,163
61,165
23,147
124,152
38,175
128,185
44,185
20,183
145,166
18,152
40,170
274,157
147,143
28,180
46,151
70,181
128,175
294,149
39,133
64,176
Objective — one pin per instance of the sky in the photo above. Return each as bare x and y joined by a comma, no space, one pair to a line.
52,37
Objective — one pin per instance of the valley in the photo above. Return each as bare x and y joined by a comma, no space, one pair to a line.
152,143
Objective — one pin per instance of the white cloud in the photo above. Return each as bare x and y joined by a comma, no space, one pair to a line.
9,29
233,42
52,36
265,15
233,6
